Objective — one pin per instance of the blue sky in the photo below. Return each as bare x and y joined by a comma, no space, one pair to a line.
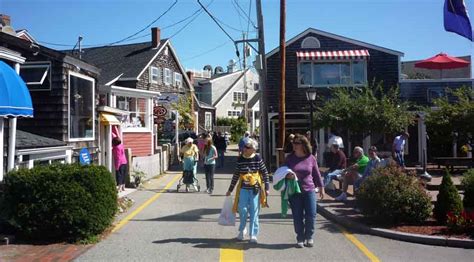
414,27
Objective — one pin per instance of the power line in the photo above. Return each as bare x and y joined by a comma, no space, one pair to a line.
206,52
238,15
146,27
196,15
250,12
247,16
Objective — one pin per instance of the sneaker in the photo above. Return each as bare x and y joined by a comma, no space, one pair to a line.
309,243
341,197
210,192
316,189
253,239
207,190
299,245
240,236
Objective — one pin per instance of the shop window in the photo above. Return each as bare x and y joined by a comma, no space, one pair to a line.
323,74
81,107
137,112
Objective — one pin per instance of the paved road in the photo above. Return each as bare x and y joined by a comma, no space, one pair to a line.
183,227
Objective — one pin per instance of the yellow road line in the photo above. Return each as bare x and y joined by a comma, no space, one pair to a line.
229,254
147,203
359,245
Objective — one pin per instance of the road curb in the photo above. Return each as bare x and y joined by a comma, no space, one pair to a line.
392,234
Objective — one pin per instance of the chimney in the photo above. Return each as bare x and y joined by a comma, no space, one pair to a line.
155,37
4,20
190,76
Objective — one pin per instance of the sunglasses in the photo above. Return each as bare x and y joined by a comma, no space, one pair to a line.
248,147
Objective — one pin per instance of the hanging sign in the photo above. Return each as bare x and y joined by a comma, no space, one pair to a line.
159,111
84,157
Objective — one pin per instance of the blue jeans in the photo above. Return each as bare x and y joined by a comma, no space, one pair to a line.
249,204
221,157
400,158
329,177
209,171
303,208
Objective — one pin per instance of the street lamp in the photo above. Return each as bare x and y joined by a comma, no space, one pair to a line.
311,97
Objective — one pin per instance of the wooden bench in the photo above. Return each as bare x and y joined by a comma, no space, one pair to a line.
451,162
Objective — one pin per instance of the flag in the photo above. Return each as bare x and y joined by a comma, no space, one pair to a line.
456,19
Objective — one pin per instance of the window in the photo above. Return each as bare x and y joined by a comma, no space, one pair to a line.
178,80
234,113
334,73
256,87
137,108
167,76
310,42
208,121
239,97
155,76
37,76
81,107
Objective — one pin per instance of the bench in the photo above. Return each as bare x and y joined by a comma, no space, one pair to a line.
450,162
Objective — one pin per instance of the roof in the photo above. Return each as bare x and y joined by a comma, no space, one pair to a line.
242,73
28,140
338,37
128,60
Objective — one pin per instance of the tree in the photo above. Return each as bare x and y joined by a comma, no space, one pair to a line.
183,106
366,110
448,199
453,113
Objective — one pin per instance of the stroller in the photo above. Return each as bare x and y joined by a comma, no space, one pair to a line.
188,179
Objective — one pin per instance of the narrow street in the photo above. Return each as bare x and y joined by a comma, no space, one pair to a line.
183,227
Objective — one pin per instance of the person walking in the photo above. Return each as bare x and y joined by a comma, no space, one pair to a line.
242,141
210,156
120,162
303,205
251,179
398,148
190,155
221,147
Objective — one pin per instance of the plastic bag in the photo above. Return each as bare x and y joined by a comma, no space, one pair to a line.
227,217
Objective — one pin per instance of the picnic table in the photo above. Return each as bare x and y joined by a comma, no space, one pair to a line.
451,162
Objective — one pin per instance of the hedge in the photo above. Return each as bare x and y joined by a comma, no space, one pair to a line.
60,202
390,196
468,185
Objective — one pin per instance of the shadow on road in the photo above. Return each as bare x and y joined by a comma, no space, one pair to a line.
191,215
223,243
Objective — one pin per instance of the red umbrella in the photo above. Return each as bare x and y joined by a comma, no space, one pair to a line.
442,61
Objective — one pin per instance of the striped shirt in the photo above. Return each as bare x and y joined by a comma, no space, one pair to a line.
249,165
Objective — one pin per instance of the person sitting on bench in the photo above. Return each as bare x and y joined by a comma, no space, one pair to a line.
337,164
354,171
373,163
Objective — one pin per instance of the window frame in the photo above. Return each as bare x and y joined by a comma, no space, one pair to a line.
207,116
176,81
78,75
146,113
38,64
152,68
238,113
239,94
167,76
326,61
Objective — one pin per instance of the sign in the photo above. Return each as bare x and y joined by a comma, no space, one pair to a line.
159,111
168,98
84,157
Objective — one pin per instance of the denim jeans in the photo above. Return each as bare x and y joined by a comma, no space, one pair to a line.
209,171
221,157
329,177
400,158
303,208
249,204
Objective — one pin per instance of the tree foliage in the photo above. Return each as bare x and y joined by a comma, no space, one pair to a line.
366,110
448,199
183,106
237,126
453,113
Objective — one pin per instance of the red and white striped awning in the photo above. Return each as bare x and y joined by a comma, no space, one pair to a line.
333,55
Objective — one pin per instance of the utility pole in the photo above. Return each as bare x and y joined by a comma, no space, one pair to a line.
244,47
79,40
282,107
264,136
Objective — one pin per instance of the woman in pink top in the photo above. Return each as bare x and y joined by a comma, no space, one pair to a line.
120,163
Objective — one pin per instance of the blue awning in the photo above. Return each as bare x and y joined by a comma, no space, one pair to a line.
15,99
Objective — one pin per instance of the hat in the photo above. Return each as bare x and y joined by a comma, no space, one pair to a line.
249,142
247,133
189,140
291,136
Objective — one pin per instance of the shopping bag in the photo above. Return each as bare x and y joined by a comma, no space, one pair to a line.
227,217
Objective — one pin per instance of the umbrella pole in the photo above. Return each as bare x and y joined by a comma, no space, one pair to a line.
11,144
1,148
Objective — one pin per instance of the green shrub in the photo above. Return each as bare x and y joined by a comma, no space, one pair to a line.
60,202
237,126
468,185
390,196
448,199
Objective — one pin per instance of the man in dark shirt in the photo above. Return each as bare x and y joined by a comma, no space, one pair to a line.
337,164
221,147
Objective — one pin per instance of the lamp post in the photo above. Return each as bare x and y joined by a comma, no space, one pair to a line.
311,97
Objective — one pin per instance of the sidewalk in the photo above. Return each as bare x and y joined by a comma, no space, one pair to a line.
347,215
